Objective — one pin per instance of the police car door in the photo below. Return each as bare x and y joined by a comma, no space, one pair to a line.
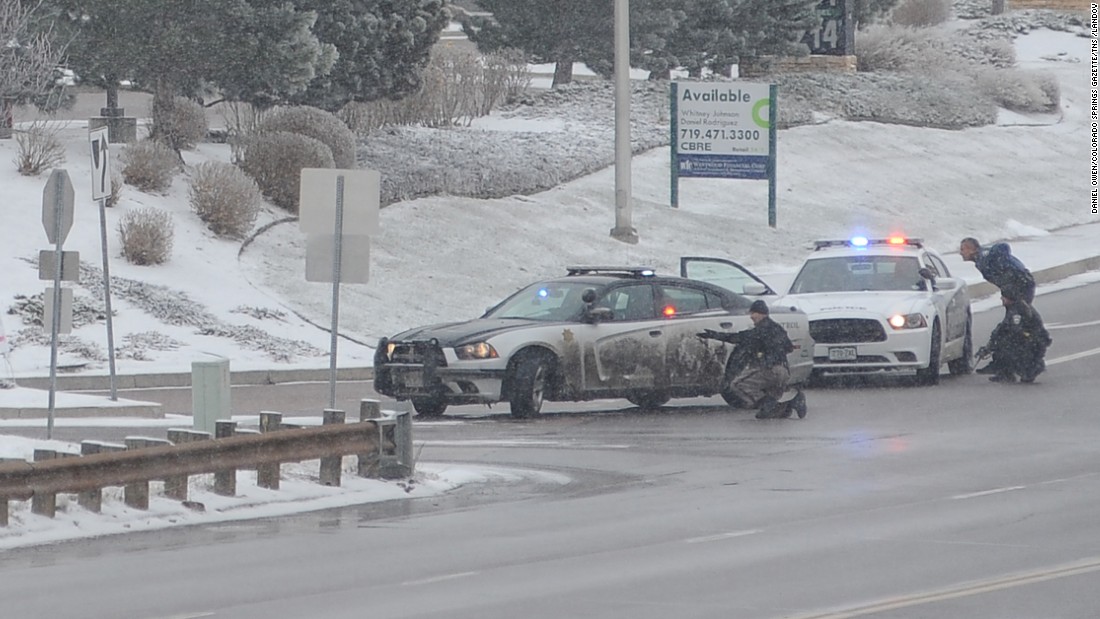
724,273
627,350
692,362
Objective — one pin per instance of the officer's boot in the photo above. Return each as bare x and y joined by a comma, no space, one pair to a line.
770,408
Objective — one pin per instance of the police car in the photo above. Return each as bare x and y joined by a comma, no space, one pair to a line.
885,305
597,332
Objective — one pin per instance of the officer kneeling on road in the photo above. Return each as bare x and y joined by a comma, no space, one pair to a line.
1018,344
761,381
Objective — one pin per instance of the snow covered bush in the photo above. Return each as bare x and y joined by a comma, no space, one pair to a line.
921,13
149,165
317,124
146,236
901,48
1018,90
183,125
225,198
39,149
116,189
275,161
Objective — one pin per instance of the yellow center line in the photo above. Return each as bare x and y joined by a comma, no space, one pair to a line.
975,588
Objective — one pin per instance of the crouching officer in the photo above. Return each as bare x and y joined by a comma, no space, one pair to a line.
1019,343
762,381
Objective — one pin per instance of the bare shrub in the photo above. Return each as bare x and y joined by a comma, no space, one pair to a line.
40,149
317,124
507,77
116,189
181,126
241,120
275,161
225,198
897,48
1021,91
149,165
146,236
921,13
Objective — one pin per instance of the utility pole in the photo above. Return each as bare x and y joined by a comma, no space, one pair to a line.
624,228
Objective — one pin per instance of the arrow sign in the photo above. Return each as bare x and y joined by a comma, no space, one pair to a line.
57,205
101,163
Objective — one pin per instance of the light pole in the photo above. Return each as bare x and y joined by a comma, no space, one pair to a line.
624,229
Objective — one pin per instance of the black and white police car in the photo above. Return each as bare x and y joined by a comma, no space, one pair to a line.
597,332
883,305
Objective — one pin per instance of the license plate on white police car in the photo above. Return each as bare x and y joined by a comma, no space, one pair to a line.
842,353
412,381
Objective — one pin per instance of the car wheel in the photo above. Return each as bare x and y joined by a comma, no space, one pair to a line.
931,374
528,385
648,399
431,406
964,365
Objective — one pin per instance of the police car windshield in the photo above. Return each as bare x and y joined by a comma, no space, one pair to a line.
548,301
858,273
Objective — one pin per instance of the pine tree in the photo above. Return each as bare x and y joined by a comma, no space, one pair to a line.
382,46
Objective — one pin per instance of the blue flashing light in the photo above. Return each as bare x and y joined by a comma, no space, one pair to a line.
858,241
543,293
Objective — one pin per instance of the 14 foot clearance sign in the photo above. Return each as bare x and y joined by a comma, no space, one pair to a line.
723,130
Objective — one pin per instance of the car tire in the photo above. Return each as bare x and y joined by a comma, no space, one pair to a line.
965,364
931,375
529,382
648,399
430,406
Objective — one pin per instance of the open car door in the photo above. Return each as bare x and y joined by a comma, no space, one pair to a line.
725,273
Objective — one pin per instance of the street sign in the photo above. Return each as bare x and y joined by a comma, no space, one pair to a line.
57,203
70,265
101,163
354,258
317,201
66,323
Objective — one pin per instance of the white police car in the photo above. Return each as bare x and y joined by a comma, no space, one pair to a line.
884,305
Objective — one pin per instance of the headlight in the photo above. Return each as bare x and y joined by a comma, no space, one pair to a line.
481,350
390,346
907,321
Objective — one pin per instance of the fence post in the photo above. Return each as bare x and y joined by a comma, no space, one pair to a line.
329,474
92,500
370,410
225,481
175,487
267,475
44,504
136,495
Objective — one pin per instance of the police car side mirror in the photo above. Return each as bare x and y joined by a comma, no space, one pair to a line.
598,314
754,288
926,274
588,296
946,283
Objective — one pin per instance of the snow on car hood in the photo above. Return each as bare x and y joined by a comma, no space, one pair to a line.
458,333
877,303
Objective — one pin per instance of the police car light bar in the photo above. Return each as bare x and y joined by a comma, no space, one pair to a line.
860,241
635,271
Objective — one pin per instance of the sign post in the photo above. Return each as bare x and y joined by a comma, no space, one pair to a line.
57,218
101,188
723,130
343,203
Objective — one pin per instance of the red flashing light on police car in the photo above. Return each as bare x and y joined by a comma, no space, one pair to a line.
897,240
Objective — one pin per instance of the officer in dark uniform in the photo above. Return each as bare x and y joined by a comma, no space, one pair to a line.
762,381
999,267
1019,343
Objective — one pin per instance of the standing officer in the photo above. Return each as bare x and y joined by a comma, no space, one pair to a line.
1018,344
762,381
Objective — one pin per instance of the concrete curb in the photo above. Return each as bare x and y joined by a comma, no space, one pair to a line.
977,290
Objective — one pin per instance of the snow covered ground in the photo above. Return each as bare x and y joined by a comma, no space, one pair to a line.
444,257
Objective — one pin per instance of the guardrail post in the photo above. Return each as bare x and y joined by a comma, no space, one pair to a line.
136,495
175,487
225,481
267,475
92,500
400,464
329,474
44,504
369,410
4,500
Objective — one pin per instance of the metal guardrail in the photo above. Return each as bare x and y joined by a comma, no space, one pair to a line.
383,446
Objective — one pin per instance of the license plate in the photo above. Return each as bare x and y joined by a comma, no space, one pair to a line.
842,353
413,381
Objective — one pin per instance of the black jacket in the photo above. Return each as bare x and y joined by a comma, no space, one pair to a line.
765,345
999,267
1021,328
